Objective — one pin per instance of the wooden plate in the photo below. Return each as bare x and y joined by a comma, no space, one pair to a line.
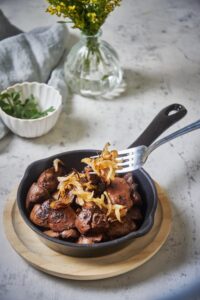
27,245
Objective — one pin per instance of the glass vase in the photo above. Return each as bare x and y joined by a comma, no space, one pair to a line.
92,68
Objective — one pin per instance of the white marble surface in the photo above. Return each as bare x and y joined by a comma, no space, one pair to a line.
159,46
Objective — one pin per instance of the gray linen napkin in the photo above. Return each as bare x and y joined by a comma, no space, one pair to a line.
30,56
33,56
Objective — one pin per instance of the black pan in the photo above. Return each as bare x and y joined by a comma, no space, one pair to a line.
167,117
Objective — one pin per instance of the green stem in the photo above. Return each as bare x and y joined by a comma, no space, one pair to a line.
93,48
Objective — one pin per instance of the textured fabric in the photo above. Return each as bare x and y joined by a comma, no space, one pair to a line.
32,56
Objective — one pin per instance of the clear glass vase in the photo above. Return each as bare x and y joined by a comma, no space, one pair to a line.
92,68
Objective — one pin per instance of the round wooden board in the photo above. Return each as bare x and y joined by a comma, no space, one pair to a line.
28,245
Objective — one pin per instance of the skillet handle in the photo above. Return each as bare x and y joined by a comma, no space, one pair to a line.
160,123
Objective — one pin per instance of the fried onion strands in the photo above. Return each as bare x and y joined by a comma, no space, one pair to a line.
76,185
105,165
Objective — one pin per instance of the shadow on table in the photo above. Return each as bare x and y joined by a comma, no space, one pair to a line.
5,142
192,171
68,130
72,129
190,292
138,82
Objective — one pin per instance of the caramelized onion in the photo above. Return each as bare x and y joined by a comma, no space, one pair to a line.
76,185
104,165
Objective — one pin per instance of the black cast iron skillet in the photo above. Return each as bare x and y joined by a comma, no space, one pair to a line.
72,160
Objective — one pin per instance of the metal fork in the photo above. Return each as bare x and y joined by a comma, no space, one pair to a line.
134,158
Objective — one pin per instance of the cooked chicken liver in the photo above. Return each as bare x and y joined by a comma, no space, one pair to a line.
135,214
83,220
87,224
136,198
119,192
99,221
48,180
118,229
88,240
61,219
66,234
70,234
52,233
36,194
91,218
40,214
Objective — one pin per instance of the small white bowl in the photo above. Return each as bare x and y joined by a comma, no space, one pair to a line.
46,96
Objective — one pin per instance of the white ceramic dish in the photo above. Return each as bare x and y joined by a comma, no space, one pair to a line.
46,96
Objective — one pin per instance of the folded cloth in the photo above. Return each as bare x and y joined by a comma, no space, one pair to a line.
32,56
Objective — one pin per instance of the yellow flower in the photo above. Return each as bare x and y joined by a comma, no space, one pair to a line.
51,10
92,16
87,15
58,8
71,7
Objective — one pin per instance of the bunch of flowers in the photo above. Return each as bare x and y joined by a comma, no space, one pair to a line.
87,15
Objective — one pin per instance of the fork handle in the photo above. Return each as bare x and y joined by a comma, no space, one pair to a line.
160,123
182,131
